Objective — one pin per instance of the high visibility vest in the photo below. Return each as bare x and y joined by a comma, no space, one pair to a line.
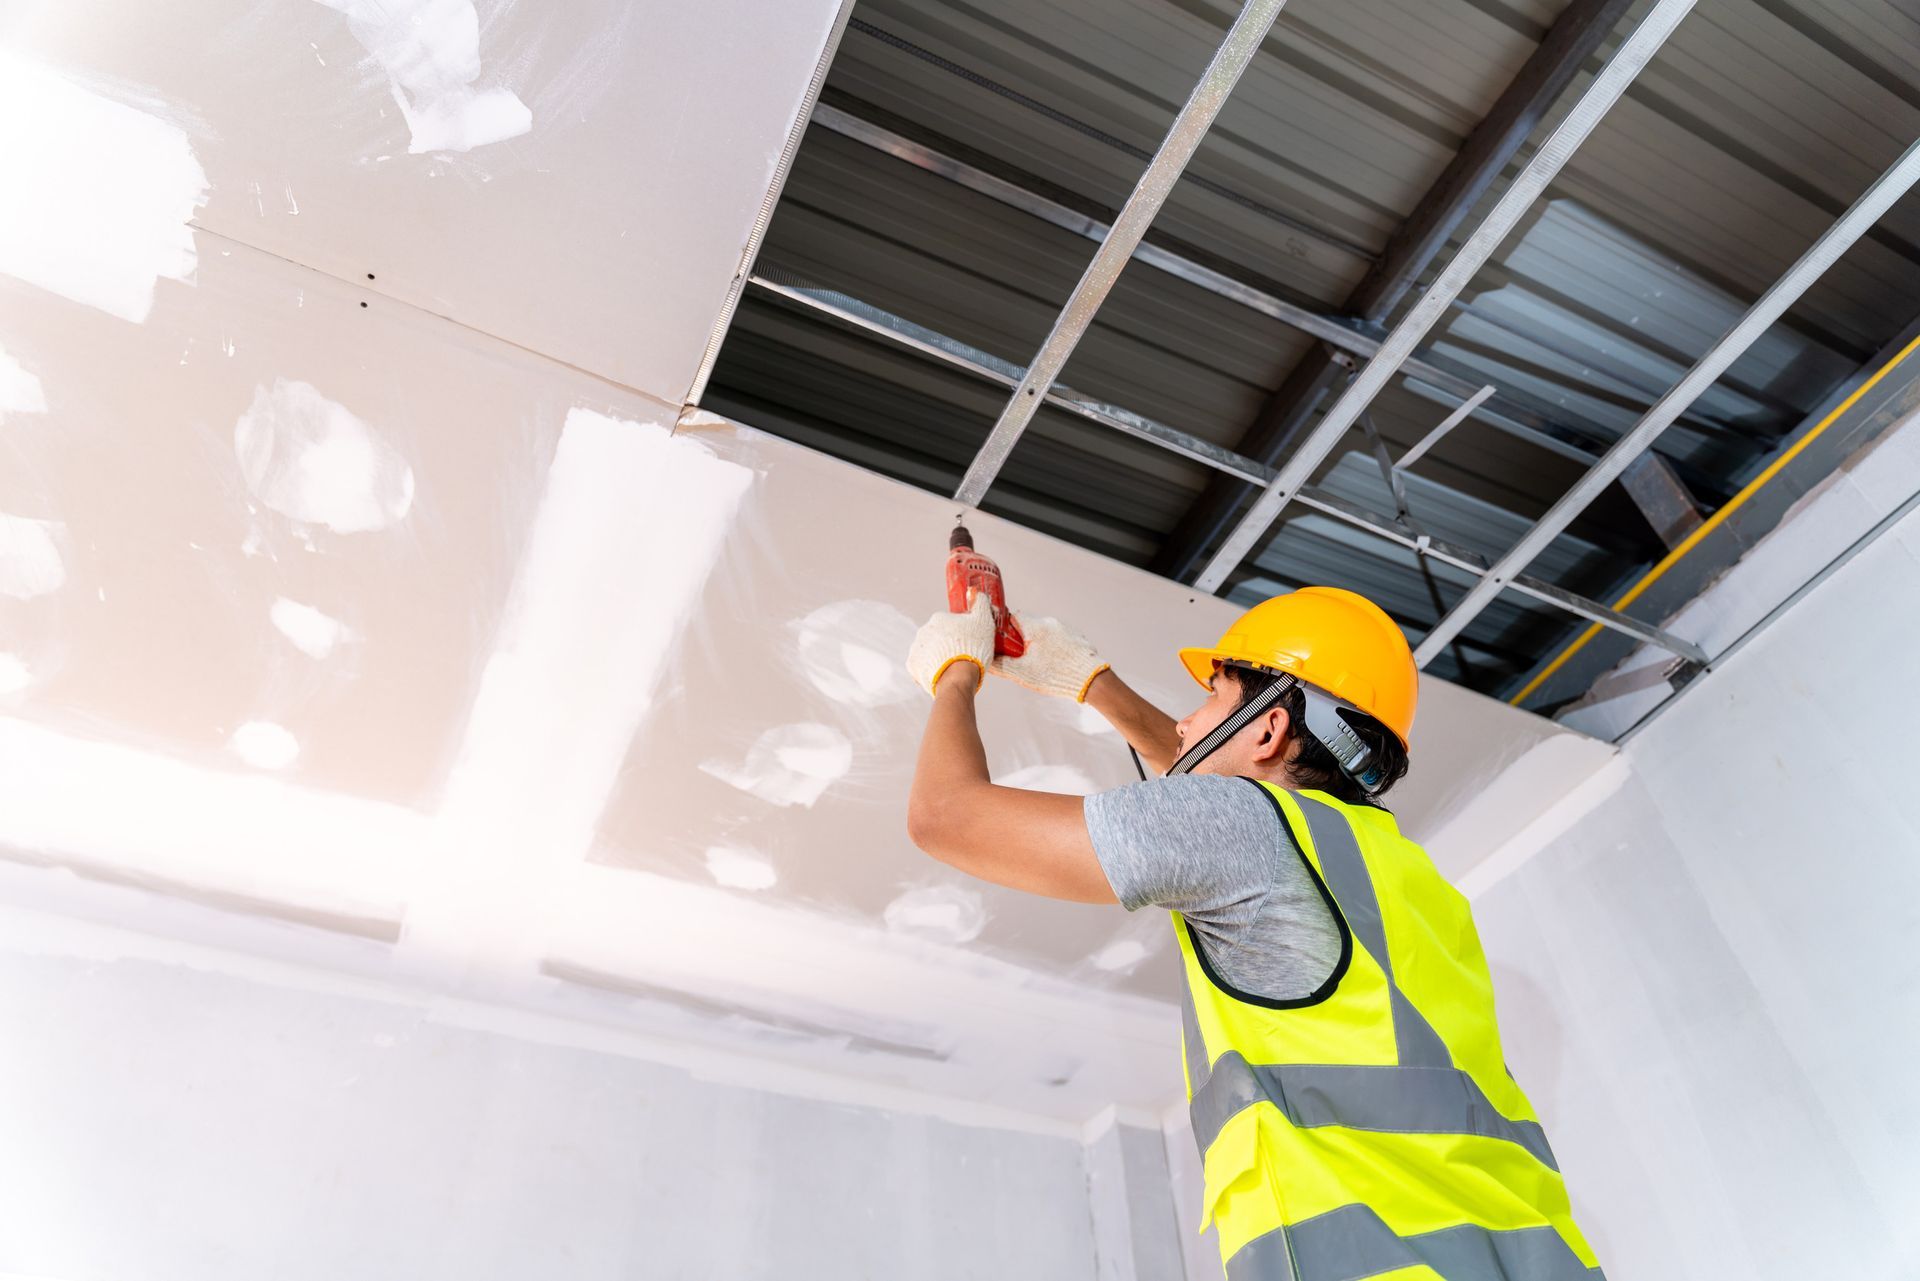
1371,1129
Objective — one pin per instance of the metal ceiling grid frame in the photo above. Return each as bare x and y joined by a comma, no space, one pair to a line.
824,351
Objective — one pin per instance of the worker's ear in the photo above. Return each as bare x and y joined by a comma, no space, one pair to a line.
1272,743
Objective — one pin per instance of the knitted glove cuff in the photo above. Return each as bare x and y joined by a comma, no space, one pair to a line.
934,684
946,639
1087,684
1058,661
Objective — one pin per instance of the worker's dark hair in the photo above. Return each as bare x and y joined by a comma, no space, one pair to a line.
1312,766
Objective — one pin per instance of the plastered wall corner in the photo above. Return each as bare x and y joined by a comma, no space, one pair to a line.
1511,781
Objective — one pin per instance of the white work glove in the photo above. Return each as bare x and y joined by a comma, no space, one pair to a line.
949,638
1058,661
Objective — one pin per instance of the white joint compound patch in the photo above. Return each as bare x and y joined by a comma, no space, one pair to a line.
30,560
1088,721
939,913
314,462
1121,956
313,633
264,745
1050,778
851,650
430,50
789,764
739,869
14,674
20,391
1143,935
95,195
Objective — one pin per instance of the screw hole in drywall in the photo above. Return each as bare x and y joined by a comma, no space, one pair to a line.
369,275
363,304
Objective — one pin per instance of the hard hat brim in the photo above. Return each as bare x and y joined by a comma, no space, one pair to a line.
1199,663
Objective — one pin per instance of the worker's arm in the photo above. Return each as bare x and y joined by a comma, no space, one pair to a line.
1032,841
1150,730
1061,662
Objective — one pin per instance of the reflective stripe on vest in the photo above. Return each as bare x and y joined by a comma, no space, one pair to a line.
1405,1100
1409,1137
1351,1243
1345,870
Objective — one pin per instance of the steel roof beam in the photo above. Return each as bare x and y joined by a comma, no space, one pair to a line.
1285,414
1662,498
1574,37
1634,53
1243,41
1836,240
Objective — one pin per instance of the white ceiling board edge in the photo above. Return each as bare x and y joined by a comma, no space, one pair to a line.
588,175
756,236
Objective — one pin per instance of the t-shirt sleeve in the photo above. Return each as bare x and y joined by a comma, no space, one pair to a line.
1215,850
1201,845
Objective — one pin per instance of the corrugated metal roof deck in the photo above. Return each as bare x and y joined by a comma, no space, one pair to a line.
1756,125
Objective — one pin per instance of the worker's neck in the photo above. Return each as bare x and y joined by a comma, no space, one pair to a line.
1278,777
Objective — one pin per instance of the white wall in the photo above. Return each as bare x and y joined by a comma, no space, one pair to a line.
1707,979
168,1117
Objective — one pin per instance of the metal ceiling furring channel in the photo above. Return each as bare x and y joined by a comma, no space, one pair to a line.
1606,88
901,332
1243,41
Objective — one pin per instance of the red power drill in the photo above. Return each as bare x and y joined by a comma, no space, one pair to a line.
970,574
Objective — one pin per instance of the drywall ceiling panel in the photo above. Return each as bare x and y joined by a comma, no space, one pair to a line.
578,179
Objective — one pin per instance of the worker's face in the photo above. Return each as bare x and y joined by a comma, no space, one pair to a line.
1250,752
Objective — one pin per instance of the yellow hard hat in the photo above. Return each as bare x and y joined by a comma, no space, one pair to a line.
1335,640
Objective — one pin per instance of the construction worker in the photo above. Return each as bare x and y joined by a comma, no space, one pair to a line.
1354,1112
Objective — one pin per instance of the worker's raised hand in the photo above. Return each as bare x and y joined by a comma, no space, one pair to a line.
949,638
1058,660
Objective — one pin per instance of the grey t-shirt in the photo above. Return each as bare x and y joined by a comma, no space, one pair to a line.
1215,850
